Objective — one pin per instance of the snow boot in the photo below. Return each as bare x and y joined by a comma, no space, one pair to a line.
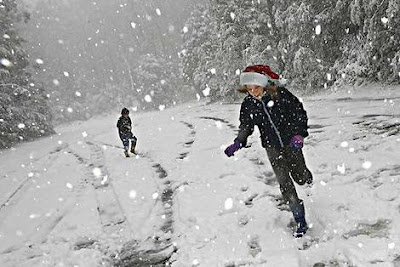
133,145
126,151
133,148
299,216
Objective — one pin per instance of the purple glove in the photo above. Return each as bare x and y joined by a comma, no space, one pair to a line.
297,142
230,150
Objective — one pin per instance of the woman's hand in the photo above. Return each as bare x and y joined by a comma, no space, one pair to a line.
230,150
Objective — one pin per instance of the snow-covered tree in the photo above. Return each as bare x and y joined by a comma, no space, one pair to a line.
24,113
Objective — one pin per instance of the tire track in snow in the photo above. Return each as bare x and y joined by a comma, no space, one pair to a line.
188,144
153,251
111,213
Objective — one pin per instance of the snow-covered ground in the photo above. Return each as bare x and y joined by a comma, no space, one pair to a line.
74,200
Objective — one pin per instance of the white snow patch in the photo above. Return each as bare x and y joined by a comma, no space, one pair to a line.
198,97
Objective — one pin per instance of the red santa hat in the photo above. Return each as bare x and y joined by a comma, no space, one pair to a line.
260,75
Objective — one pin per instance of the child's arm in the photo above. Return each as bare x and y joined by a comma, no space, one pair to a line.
299,118
246,126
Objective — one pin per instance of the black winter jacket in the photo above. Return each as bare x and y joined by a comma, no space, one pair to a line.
278,120
124,125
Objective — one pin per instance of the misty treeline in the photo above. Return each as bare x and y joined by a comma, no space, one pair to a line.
24,112
101,55
314,44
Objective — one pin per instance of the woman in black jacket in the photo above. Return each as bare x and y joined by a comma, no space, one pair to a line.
282,122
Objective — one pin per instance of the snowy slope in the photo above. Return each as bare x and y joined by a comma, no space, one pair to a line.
74,200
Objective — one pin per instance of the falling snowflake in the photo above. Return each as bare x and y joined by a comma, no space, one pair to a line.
78,94
344,144
318,30
270,104
366,165
171,28
185,29
163,82
6,36
147,98
233,16
213,71
70,110
56,82
158,11
391,245
237,72
228,204
206,92
384,20
155,195
133,25
329,76
198,97
5,62
132,194
323,183
218,124
66,74
97,172
21,126
70,186
341,168
39,61
161,107
195,262
34,216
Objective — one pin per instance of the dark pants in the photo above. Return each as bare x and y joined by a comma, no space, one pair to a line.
289,165
125,137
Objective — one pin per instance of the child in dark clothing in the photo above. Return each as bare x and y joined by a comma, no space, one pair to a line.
124,125
282,122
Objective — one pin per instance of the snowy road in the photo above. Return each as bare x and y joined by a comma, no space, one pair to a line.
74,200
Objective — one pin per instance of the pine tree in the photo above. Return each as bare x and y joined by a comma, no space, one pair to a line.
24,114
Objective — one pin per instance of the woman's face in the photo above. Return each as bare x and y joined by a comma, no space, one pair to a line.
255,90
